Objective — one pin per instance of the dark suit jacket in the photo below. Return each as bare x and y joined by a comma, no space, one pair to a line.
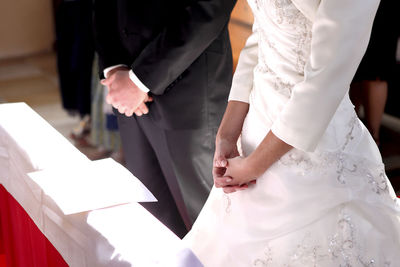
179,49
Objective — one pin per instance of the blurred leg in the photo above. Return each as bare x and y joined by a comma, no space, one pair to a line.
374,105
356,96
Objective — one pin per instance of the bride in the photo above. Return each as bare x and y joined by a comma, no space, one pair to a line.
308,187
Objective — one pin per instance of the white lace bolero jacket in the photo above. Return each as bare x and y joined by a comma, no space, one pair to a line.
340,35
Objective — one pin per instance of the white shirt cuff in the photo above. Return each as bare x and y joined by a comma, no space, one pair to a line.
137,82
107,70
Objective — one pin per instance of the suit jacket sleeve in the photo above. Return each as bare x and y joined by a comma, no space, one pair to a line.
340,33
108,45
187,34
242,82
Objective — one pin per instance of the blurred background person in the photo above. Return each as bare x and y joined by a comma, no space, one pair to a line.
369,89
75,53
97,133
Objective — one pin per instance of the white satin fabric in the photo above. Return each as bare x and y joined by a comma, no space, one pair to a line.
327,202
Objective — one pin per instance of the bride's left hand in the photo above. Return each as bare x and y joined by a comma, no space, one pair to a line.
238,173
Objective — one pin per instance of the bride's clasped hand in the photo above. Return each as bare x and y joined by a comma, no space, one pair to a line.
234,174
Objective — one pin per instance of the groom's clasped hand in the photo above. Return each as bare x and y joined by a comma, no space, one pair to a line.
124,95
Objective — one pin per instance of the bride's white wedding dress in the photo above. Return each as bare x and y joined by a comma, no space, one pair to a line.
327,202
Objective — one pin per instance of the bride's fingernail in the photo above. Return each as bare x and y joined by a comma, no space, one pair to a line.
228,180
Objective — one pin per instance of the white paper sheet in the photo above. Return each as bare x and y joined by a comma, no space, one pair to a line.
91,185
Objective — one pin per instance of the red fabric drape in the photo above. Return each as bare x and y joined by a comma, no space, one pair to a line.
21,242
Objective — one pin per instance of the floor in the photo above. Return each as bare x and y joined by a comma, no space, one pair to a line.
34,80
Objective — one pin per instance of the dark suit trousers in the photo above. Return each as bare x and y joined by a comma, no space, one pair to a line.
175,165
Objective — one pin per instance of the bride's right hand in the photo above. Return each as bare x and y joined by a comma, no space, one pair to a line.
227,136
224,150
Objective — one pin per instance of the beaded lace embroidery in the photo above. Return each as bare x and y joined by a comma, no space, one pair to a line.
347,166
284,13
342,248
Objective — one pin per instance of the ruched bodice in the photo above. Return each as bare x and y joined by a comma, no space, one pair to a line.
284,36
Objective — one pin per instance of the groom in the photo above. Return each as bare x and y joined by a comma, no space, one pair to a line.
168,68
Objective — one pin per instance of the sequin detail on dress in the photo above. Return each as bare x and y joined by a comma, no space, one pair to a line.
348,167
284,14
342,248
228,203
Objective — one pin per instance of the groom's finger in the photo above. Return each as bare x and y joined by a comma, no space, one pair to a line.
129,112
107,81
